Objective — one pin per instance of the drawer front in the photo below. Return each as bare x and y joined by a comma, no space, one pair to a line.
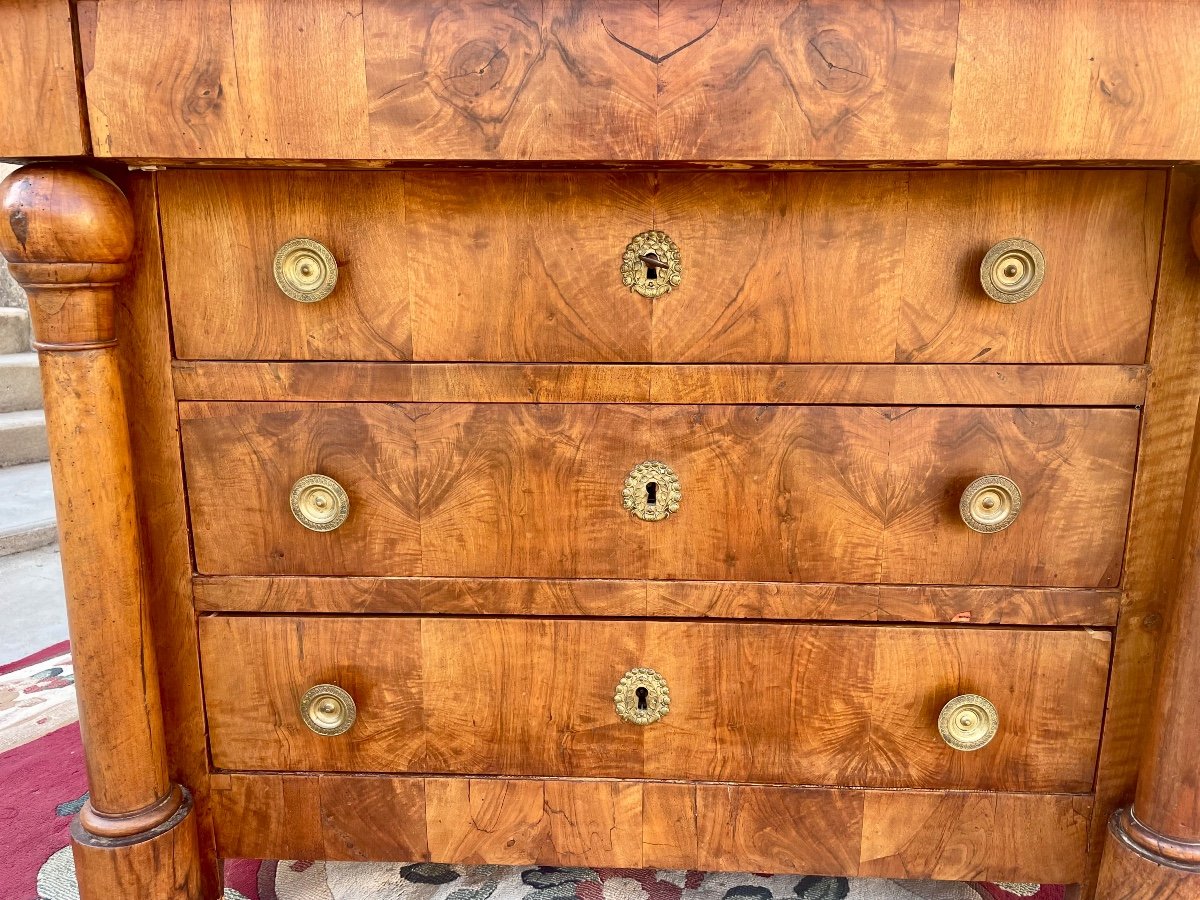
769,703
867,267
841,494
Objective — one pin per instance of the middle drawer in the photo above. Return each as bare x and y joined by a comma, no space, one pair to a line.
777,493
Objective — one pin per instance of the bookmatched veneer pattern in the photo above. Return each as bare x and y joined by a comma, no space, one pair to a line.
767,703
853,494
852,267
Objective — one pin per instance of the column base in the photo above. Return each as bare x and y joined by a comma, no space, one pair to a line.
1133,871
160,864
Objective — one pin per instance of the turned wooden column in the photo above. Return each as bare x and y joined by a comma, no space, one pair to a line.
67,234
1153,847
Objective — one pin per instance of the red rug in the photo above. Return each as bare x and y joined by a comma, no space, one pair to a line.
43,784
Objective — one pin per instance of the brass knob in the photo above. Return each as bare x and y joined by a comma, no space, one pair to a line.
305,270
990,504
642,696
319,503
1012,270
651,491
968,722
650,265
328,710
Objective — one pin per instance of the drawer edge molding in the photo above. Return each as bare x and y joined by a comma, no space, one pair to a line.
633,824
905,384
662,599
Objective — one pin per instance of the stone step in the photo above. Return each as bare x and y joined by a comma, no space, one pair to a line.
20,383
14,330
23,438
27,513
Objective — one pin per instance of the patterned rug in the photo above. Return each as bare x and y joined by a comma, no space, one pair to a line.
42,785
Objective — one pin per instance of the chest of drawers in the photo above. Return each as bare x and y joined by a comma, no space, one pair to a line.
739,436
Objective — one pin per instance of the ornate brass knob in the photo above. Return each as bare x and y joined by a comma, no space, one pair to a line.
1012,270
650,265
968,722
328,710
642,696
651,491
305,270
990,503
319,503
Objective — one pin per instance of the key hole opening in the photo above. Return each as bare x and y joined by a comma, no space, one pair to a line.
651,493
651,268
642,694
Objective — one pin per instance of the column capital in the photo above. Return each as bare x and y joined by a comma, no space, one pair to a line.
67,233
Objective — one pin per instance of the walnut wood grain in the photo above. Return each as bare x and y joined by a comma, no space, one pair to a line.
533,491
506,821
144,354
875,267
68,240
1158,501
682,599
736,715
41,111
758,80
1017,385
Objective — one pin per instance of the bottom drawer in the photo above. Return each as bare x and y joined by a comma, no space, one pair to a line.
854,705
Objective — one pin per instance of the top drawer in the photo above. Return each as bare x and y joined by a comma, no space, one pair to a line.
869,267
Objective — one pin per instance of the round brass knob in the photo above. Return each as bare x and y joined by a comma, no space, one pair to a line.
642,696
1012,270
319,503
968,722
328,710
651,491
990,503
650,265
305,270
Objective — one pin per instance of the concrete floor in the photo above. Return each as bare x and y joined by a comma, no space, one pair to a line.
33,611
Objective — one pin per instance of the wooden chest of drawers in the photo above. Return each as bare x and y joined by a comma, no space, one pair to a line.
504,440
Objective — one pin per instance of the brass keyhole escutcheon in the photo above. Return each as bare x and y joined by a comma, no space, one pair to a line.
319,503
1012,270
328,710
651,491
305,270
642,696
651,265
990,504
968,722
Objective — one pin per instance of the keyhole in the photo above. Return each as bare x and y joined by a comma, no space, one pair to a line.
642,694
651,493
651,269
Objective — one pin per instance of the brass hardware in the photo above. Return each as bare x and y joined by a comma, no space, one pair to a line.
642,697
990,504
968,722
328,710
305,270
651,491
319,503
1012,270
651,264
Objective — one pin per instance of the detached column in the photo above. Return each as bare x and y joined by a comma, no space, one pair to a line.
1153,848
68,235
